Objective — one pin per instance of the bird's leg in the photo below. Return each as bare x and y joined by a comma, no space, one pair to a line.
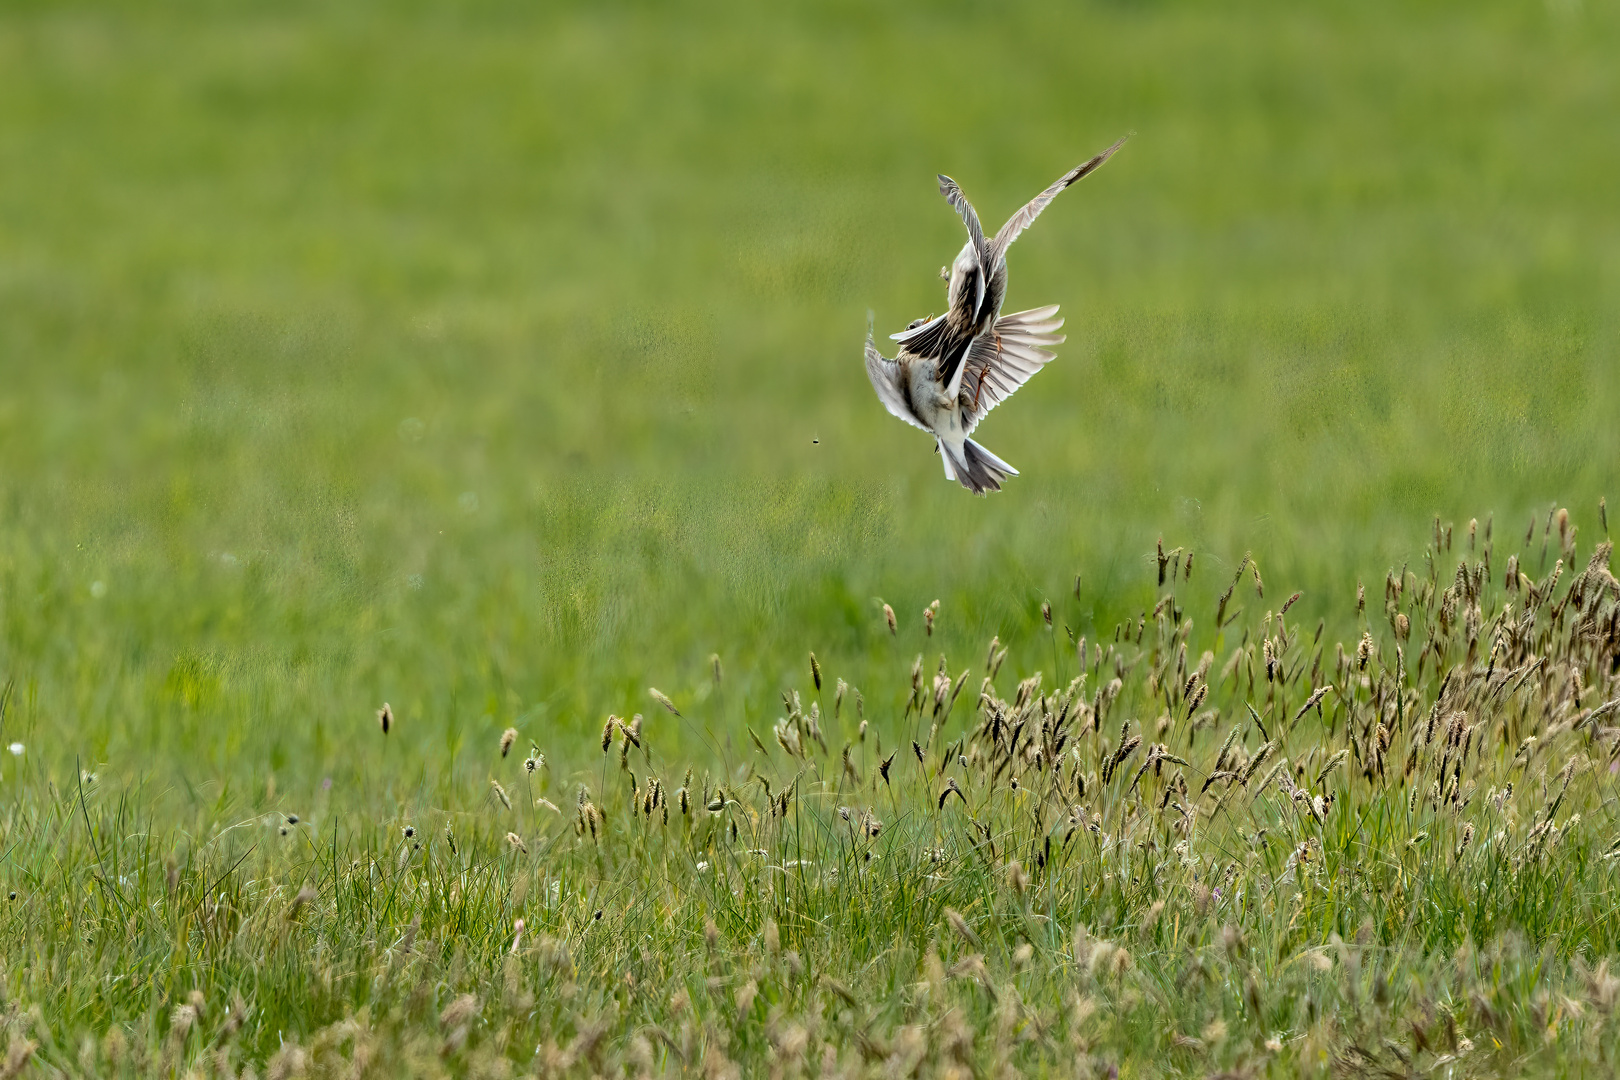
979,387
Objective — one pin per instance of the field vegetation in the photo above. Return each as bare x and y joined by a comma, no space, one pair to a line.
1215,840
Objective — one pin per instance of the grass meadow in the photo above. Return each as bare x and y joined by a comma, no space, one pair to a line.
500,362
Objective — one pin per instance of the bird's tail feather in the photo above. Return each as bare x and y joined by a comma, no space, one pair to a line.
974,467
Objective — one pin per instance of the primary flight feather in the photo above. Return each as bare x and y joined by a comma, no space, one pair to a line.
953,369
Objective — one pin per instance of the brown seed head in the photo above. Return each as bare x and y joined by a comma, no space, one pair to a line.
459,1011
305,895
960,926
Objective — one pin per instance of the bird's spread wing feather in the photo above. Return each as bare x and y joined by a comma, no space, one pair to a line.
923,340
888,381
936,340
1002,359
970,216
1021,220
981,249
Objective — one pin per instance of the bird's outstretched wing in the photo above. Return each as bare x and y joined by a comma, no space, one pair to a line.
888,380
924,339
970,216
936,340
1032,209
982,253
1003,358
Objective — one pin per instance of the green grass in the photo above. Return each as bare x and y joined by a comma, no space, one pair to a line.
1393,854
472,360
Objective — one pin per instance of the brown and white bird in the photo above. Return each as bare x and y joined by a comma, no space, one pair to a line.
953,369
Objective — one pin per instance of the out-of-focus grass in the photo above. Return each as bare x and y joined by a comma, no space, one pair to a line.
474,359
501,362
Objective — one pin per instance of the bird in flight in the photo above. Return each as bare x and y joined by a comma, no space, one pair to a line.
953,369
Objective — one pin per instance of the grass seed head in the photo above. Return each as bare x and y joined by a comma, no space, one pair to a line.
305,896
959,925
385,718
508,737
459,1011
663,699
888,617
20,1051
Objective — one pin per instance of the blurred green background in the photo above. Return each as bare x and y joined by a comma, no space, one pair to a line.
474,357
